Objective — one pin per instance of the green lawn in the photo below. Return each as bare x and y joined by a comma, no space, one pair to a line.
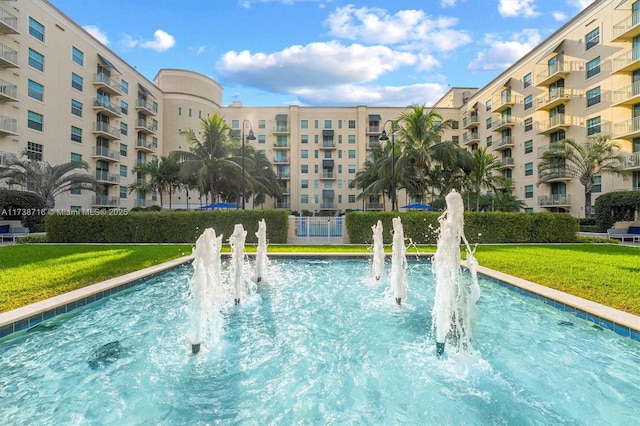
605,273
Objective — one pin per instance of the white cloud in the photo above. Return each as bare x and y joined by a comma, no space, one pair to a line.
198,50
316,65
97,33
559,16
448,3
579,4
411,28
161,42
514,8
500,54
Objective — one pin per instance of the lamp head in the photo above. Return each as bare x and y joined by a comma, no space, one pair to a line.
251,136
383,136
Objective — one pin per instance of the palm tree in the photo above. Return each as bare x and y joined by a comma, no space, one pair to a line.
46,180
482,174
163,176
209,158
374,178
418,132
568,158
261,179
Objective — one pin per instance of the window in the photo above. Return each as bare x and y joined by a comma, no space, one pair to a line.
263,139
352,124
262,124
593,67
179,111
36,60
35,121
455,124
351,139
34,151
592,38
304,168
327,124
304,124
352,153
315,153
76,157
593,96
528,102
235,124
124,129
304,183
124,107
123,149
36,29
76,108
339,168
528,124
123,192
35,90
455,139
351,199
528,169
76,81
339,124
528,191
123,171
597,184
76,134
489,140
304,139
527,80
77,56
189,112
315,124
154,124
489,122
304,153
316,183
124,86
304,199
593,126
487,105
351,168
528,147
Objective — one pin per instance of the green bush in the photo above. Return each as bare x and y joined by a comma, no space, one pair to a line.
28,206
617,206
32,239
162,227
494,228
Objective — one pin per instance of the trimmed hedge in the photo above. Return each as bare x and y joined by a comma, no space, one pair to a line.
617,206
162,227
23,201
484,228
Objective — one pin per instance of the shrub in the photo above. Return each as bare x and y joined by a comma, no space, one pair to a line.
617,206
32,239
29,206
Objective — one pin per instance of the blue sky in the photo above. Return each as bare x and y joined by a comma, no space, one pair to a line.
325,52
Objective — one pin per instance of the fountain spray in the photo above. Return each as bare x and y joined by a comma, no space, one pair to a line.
261,255
378,251
237,240
398,262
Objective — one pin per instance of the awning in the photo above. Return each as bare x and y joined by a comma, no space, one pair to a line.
107,63
327,133
375,117
282,117
327,163
507,83
554,49
145,90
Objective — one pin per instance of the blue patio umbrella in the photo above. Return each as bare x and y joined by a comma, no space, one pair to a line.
418,206
220,206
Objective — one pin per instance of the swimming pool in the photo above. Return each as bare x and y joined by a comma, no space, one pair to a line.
321,342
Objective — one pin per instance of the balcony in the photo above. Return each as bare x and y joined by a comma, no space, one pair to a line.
146,126
554,200
104,129
627,129
8,126
558,174
107,178
6,158
8,57
554,73
551,100
281,129
501,102
503,123
471,121
507,163
281,145
106,107
149,107
628,95
282,176
104,153
374,130
470,138
281,160
146,146
105,201
628,28
555,123
8,92
328,205
627,62
282,205
504,143
328,145
326,175
374,206
8,23
104,82
631,161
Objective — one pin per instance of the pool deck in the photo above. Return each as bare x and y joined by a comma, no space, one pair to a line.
623,323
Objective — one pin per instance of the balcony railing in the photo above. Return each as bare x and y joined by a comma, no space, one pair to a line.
8,91
627,95
507,161
374,129
627,61
283,205
103,176
8,57
328,205
631,161
328,144
281,129
8,125
556,97
8,22
105,128
554,200
6,158
149,106
628,28
374,206
281,145
503,122
558,120
281,160
103,80
471,120
108,106
104,152
328,175
143,144
627,129
105,201
141,123
504,142
282,175
470,137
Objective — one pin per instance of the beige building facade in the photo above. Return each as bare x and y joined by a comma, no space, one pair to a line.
64,96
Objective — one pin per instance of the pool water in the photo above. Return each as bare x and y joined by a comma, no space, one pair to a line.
320,343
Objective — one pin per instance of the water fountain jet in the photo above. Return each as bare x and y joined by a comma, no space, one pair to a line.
378,251
237,240
398,262
261,254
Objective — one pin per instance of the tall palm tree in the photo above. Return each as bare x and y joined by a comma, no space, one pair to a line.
46,180
598,155
374,178
161,175
482,174
418,132
262,179
209,158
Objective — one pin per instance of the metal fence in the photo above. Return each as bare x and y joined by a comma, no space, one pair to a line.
321,230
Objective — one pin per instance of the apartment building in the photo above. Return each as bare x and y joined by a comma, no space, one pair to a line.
65,96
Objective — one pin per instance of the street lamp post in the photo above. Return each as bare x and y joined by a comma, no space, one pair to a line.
384,137
250,137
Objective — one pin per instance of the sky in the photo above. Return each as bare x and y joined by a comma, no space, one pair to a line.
325,52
